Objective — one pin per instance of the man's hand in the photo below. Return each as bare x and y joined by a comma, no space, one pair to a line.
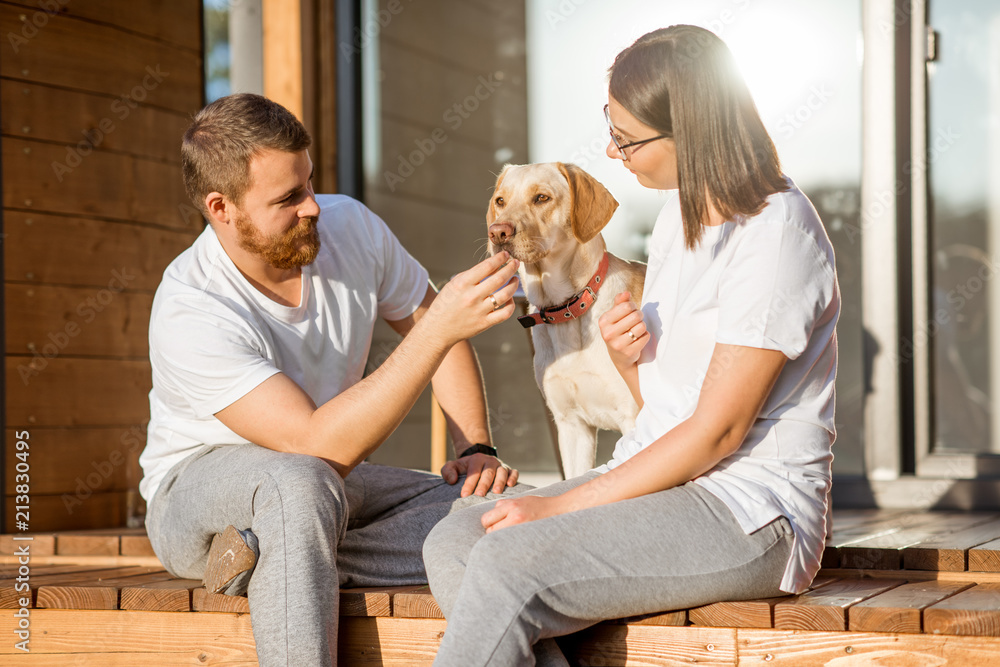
475,300
512,511
623,331
481,471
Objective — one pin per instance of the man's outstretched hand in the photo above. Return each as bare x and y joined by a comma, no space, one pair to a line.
483,473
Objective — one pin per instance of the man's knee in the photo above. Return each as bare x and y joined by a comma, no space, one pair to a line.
306,481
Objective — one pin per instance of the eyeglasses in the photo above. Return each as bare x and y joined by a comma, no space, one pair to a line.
622,152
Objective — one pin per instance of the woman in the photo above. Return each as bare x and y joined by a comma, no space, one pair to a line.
720,492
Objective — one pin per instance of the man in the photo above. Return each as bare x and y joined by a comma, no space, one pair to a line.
260,419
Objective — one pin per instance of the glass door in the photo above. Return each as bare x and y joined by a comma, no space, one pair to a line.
958,167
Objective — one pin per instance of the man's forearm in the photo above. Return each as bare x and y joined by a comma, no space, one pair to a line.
349,427
458,386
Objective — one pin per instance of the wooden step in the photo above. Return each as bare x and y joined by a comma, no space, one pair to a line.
974,611
900,609
825,609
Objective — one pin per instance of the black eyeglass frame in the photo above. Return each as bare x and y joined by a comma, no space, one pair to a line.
632,144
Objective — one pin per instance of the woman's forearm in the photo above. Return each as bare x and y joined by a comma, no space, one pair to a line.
631,376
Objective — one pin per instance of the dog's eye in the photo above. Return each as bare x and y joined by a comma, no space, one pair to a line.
499,202
541,199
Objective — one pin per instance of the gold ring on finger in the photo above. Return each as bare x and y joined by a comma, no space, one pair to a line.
631,335
494,300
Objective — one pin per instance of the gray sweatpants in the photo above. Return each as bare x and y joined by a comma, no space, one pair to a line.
315,533
506,593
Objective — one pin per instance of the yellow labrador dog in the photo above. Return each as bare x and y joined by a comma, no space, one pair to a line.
550,216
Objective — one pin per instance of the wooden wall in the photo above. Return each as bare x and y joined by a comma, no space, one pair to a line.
453,109
95,97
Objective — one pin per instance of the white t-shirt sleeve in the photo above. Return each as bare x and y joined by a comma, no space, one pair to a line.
774,289
206,355
403,281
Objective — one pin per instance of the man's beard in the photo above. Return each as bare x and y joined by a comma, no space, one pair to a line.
290,250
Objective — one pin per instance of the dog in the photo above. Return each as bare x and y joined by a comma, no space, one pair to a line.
549,217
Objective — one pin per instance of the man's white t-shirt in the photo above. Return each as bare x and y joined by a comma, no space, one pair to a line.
213,337
769,282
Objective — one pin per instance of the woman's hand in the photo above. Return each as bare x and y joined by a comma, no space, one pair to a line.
624,332
512,511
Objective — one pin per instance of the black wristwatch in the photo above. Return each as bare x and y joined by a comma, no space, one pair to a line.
479,448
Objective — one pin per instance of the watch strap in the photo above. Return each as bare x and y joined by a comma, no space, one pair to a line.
479,448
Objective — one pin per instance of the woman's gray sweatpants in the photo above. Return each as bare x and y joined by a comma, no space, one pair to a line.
507,590
315,533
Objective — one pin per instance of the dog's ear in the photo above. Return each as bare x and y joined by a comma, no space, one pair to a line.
591,205
491,213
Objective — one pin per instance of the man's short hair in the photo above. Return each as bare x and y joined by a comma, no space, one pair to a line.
225,136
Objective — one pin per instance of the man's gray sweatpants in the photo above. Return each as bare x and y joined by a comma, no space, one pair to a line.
507,593
315,533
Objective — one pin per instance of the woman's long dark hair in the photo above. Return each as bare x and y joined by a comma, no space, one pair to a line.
682,81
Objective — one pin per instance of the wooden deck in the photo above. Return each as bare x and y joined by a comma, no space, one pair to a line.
897,588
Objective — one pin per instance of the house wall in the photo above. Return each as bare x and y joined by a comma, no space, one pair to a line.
95,98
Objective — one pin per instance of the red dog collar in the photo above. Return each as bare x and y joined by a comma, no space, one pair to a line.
573,308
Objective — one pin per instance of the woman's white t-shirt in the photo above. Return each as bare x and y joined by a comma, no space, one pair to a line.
213,337
769,282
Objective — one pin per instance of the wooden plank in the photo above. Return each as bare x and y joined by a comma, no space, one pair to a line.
129,638
90,561
837,649
172,595
78,392
64,512
40,544
880,523
975,611
91,460
102,184
70,544
99,594
98,58
202,600
77,597
666,618
11,589
353,601
607,644
89,592
144,638
985,557
9,594
282,47
366,602
417,603
745,613
885,552
915,575
825,609
77,321
900,609
167,20
85,120
49,248
739,614
949,552
137,545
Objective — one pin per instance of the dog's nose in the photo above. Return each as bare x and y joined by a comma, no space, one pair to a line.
501,232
